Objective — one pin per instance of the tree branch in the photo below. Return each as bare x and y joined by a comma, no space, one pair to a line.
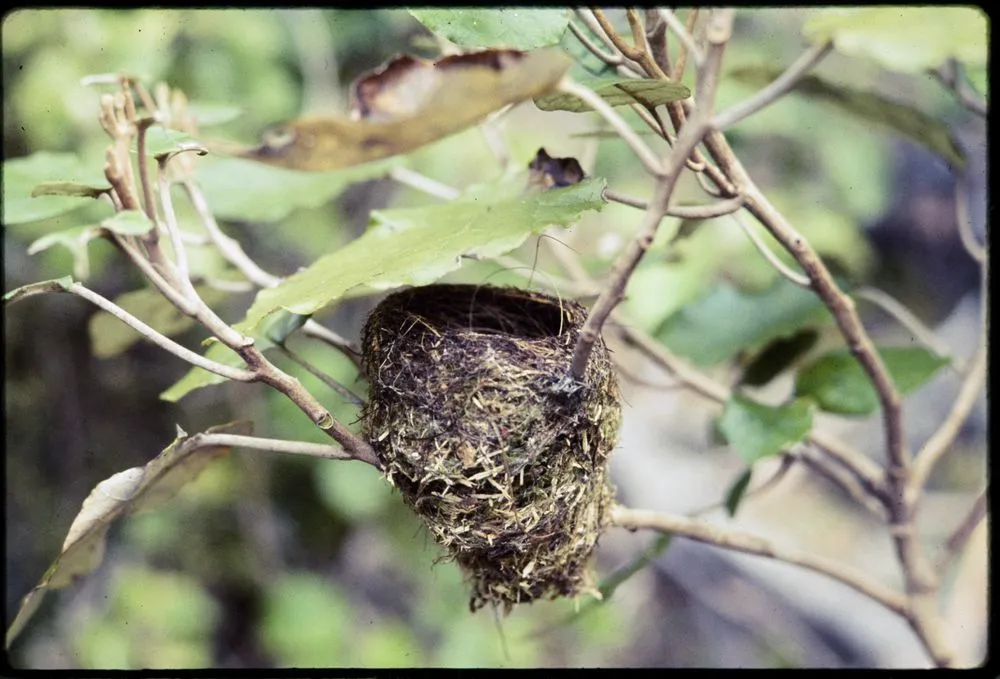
951,78
624,130
720,29
683,33
781,85
320,450
718,536
710,211
635,53
960,536
772,259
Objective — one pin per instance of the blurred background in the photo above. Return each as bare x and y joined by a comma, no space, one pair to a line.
274,561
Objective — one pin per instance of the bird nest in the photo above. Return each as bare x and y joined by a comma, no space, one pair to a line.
478,423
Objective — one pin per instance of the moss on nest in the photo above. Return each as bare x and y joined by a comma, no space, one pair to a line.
477,422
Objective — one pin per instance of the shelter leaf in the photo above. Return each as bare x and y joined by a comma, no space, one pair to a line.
417,246
244,190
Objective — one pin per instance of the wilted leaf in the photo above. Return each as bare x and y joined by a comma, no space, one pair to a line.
127,492
755,430
727,321
617,92
907,39
419,245
409,103
870,107
547,172
109,336
515,27
244,190
56,285
738,491
21,176
838,383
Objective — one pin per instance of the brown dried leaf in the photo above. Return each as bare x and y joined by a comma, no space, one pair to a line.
548,172
410,102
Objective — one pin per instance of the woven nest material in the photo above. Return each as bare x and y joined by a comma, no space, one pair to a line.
477,422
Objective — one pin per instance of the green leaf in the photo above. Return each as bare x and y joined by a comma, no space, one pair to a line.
22,175
907,39
515,27
727,321
306,621
56,285
75,240
72,189
209,114
838,383
109,336
738,491
196,378
161,141
419,245
777,356
245,190
617,92
135,489
869,107
128,223
755,430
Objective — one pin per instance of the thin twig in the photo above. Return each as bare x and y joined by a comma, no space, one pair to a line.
143,329
656,37
683,33
321,450
333,384
780,86
423,183
960,536
951,78
697,126
147,190
794,276
972,245
170,223
975,378
594,48
627,68
737,541
847,482
710,211
906,318
606,111
634,53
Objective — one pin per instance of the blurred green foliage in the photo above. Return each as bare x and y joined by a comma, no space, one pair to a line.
287,539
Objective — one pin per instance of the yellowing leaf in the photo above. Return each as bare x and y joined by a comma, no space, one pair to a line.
409,103
907,39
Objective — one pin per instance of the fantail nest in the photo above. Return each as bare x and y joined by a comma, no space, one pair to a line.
476,420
